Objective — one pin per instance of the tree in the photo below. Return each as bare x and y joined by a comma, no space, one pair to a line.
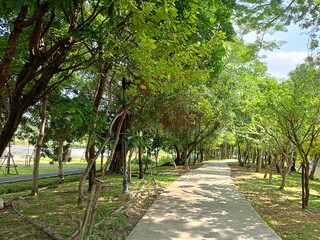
67,118
46,42
295,107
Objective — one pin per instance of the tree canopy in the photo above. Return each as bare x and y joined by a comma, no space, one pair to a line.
173,73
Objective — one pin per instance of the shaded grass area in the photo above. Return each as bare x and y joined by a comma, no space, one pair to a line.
19,187
281,209
56,206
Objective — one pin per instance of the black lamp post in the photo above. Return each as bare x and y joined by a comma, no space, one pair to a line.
125,189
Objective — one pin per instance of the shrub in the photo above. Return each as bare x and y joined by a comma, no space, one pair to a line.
165,159
144,159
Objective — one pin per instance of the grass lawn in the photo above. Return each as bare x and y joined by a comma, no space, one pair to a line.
56,206
45,167
281,209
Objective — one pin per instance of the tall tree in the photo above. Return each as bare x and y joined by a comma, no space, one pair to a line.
295,106
46,42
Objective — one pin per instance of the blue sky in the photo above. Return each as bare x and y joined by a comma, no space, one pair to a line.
281,61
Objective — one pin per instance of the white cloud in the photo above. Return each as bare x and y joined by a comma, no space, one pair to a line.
281,63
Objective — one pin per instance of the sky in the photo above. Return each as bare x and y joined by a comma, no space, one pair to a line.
281,61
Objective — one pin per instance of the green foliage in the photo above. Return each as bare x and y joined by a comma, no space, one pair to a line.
165,159
265,16
145,159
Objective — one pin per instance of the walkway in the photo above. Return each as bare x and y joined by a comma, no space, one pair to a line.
202,204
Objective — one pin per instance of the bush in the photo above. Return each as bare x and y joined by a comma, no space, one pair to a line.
165,159
144,159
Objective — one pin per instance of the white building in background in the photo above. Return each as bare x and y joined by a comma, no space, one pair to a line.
20,152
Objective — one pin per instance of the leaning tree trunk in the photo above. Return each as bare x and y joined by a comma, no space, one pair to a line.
314,166
11,125
35,175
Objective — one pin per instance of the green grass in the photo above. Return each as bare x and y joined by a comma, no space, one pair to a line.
27,170
17,188
281,209
44,167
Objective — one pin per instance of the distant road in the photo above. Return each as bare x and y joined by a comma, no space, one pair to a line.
41,176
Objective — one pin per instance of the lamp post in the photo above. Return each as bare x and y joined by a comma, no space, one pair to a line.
125,189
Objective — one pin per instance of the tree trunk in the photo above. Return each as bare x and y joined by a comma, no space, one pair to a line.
286,167
314,166
129,165
116,165
303,195
156,156
254,155
35,175
249,154
239,154
93,169
140,162
271,166
184,158
178,160
104,68
90,211
60,159
146,165
102,157
271,172
201,155
305,182
259,161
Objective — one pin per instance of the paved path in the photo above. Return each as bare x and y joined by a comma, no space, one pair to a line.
202,204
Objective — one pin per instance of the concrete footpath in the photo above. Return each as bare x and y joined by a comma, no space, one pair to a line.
202,204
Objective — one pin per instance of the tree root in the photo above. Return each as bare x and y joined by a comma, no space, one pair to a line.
39,226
